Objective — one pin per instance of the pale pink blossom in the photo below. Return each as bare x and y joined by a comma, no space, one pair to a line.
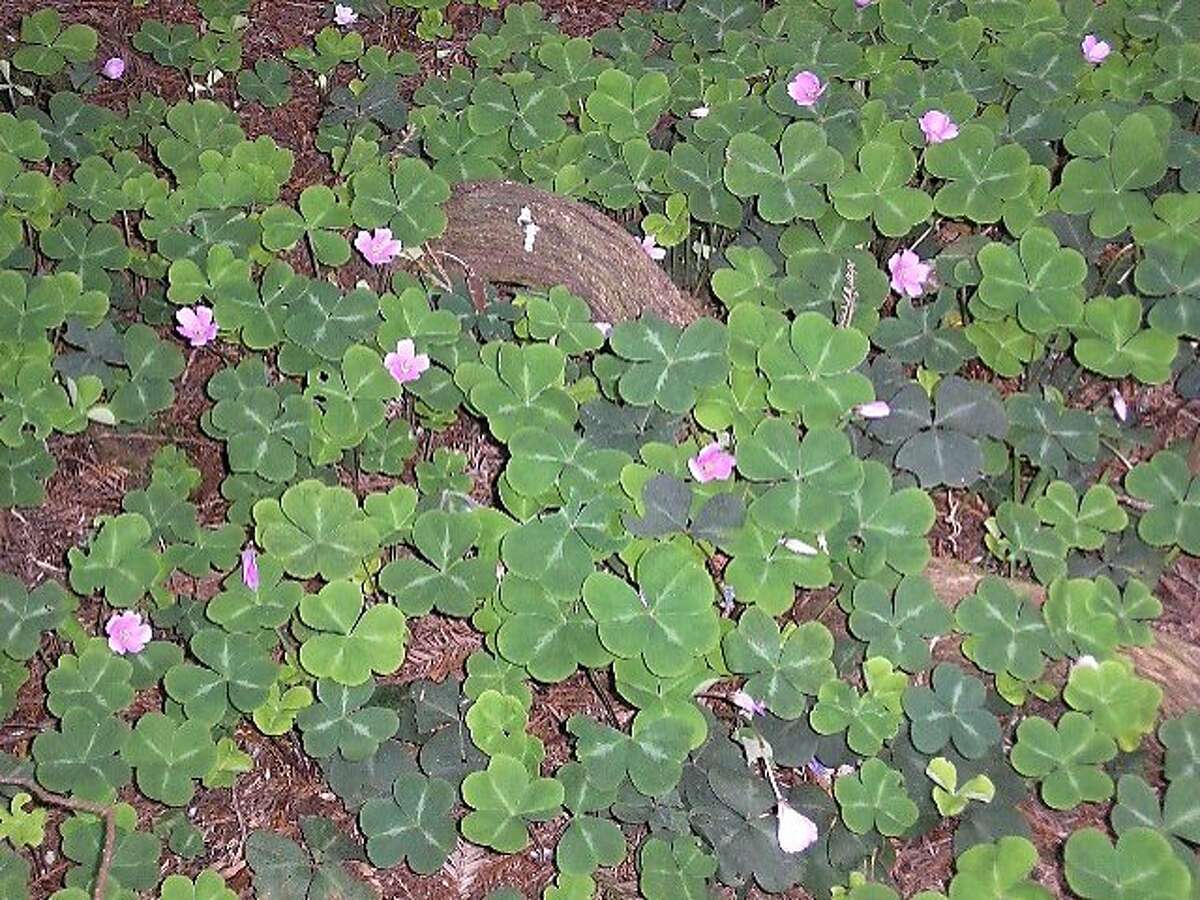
862,4
711,464
876,409
344,15
605,328
127,633
379,248
113,68
1120,407
250,568
1095,50
651,249
806,88
196,325
748,706
405,364
937,127
909,274
797,832
700,112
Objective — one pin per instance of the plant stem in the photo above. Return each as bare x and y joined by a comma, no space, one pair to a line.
107,813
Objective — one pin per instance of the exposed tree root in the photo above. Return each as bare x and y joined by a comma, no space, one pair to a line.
580,247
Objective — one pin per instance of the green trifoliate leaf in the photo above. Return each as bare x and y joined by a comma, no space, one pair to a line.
413,825
1113,343
1181,738
134,859
628,108
785,187
1140,865
502,799
996,870
1078,621
1174,817
350,643
408,200
1122,705
670,366
314,529
652,756
341,722
668,621
119,561
1081,523
899,625
784,667
952,710
1005,633
867,719
980,176
878,189
95,680
25,615
441,577
875,798
1165,482
1041,282
1026,540
1067,757
679,868
167,756
811,371
320,220
83,756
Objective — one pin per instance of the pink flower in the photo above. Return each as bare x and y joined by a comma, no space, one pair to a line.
378,249
1095,50
344,15
250,568
797,832
876,409
862,4
747,704
806,88
909,274
711,464
196,324
651,249
937,127
405,363
113,68
127,633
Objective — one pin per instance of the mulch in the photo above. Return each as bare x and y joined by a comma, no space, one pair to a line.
97,468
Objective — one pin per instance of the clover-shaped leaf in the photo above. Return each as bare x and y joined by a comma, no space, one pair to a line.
811,370
320,220
1050,434
995,870
899,625
1081,522
545,632
448,581
1140,865
952,710
284,871
1114,164
1181,738
1165,482
627,108
350,644
167,756
413,825
1113,343
315,529
135,854
24,615
83,756
868,719
652,755
1078,621
118,562
669,366
918,334
406,199
589,843
875,798
1026,540
341,722
268,83
46,46
525,389
783,667
1067,757
1122,705
980,177
1041,283
96,680
1005,633
1171,273
670,620
878,189
502,799
239,674
1138,806
785,187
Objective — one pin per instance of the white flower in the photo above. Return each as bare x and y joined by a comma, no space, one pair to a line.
344,15
1120,408
1087,661
799,547
797,832
699,112
605,328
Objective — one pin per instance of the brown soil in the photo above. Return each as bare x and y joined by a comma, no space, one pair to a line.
96,469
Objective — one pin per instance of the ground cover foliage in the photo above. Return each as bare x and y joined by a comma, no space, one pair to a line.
666,491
